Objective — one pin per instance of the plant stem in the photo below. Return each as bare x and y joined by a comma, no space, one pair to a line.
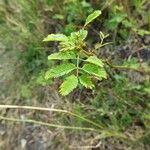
78,65
53,110
126,67
48,124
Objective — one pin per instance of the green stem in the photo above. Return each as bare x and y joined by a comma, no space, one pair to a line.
78,65
126,67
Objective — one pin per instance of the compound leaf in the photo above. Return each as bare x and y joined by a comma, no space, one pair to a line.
60,70
68,85
92,16
95,70
62,55
86,81
55,37
94,60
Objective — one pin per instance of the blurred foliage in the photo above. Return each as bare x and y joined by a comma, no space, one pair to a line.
119,103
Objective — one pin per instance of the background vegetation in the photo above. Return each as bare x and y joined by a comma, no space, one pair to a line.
118,109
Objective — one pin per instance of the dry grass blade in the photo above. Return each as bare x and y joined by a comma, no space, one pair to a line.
47,124
51,109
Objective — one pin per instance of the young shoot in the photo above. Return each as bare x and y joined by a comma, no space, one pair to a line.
78,65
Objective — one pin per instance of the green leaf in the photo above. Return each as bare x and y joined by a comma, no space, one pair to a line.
55,37
62,55
115,20
92,16
60,70
83,34
86,81
67,45
95,70
94,60
68,85
79,35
